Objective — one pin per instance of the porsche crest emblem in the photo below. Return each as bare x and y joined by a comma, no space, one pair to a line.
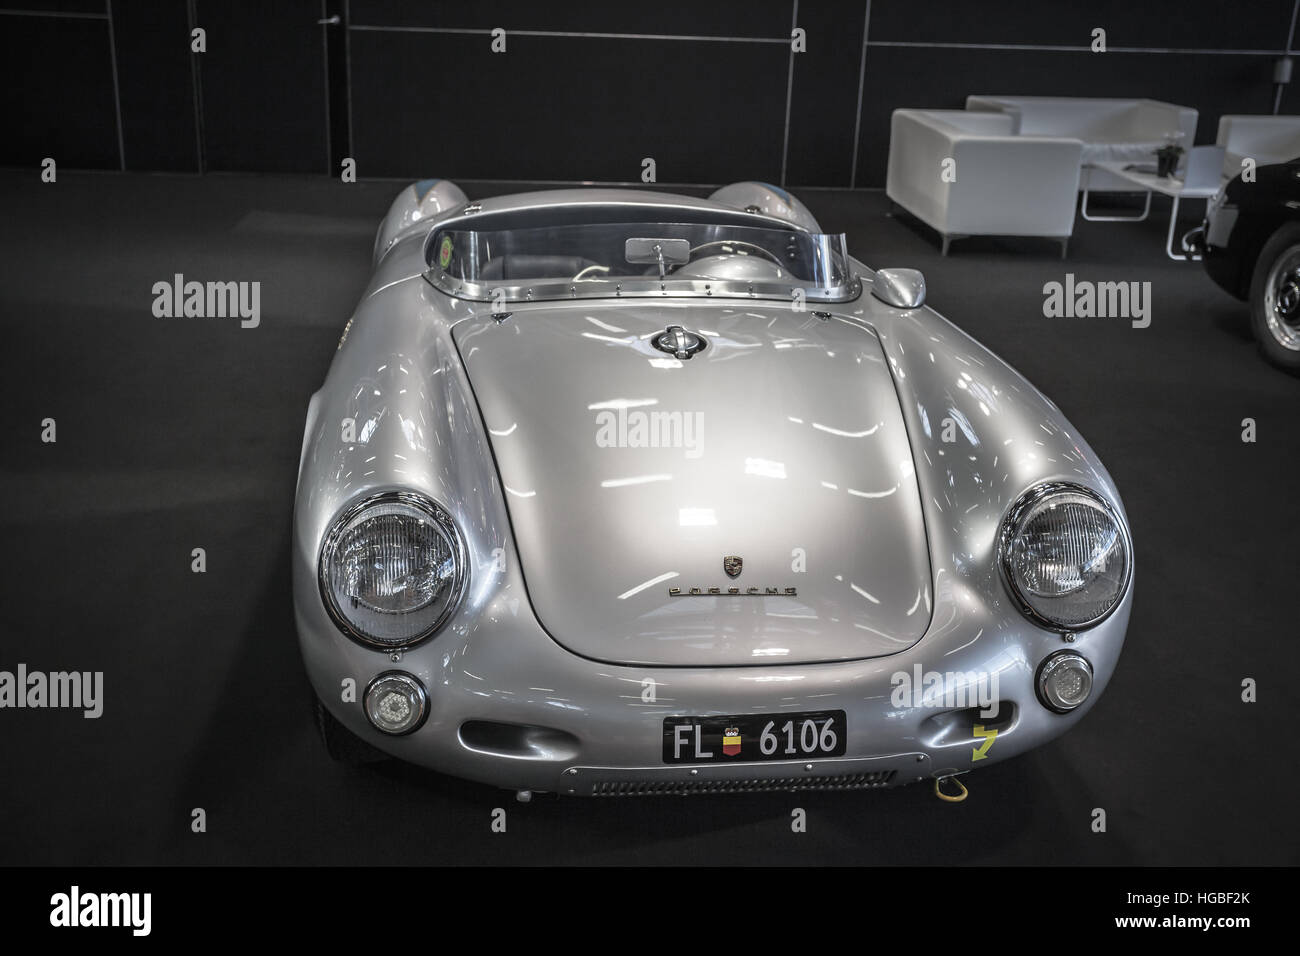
731,741
733,564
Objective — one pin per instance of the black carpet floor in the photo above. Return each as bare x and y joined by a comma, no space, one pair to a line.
175,434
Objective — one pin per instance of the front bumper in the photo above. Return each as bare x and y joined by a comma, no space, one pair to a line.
863,773
509,706
1225,261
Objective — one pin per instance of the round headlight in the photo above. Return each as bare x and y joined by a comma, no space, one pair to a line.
396,703
1064,681
1065,556
392,569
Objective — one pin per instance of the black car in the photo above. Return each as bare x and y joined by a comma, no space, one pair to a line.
1250,244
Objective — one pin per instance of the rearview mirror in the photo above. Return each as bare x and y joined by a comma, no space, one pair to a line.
665,252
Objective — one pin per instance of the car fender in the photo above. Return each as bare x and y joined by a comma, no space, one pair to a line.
415,206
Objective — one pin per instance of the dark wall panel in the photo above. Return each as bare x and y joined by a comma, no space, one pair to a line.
95,7
751,18
155,80
414,89
566,108
1210,24
263,86
56,91
824,95
1290,104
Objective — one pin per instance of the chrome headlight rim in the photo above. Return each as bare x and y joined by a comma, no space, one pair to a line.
436,513
1011,523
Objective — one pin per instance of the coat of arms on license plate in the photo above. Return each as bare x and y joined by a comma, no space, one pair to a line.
731,741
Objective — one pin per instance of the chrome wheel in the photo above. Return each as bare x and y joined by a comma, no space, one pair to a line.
1282,299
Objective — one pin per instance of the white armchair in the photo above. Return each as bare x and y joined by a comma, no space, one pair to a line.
1265,139
999,183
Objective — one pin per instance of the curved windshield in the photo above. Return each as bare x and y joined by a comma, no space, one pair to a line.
637,258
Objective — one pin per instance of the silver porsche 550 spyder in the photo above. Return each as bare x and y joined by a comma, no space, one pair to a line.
616,492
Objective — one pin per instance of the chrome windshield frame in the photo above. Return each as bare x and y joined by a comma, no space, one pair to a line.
549,290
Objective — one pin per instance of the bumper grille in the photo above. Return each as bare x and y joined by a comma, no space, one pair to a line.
652,788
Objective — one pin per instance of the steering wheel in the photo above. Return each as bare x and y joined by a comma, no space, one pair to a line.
591,272
736,244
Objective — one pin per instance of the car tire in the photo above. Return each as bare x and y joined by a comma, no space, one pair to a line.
1275,298
342,744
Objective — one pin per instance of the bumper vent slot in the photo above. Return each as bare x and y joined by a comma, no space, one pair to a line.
653,788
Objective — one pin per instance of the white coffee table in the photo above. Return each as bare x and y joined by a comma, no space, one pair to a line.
1149,183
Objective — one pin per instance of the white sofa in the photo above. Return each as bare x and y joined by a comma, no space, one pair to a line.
1265,139
1005,184
1111,130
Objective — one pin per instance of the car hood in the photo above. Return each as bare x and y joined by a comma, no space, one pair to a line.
632,476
